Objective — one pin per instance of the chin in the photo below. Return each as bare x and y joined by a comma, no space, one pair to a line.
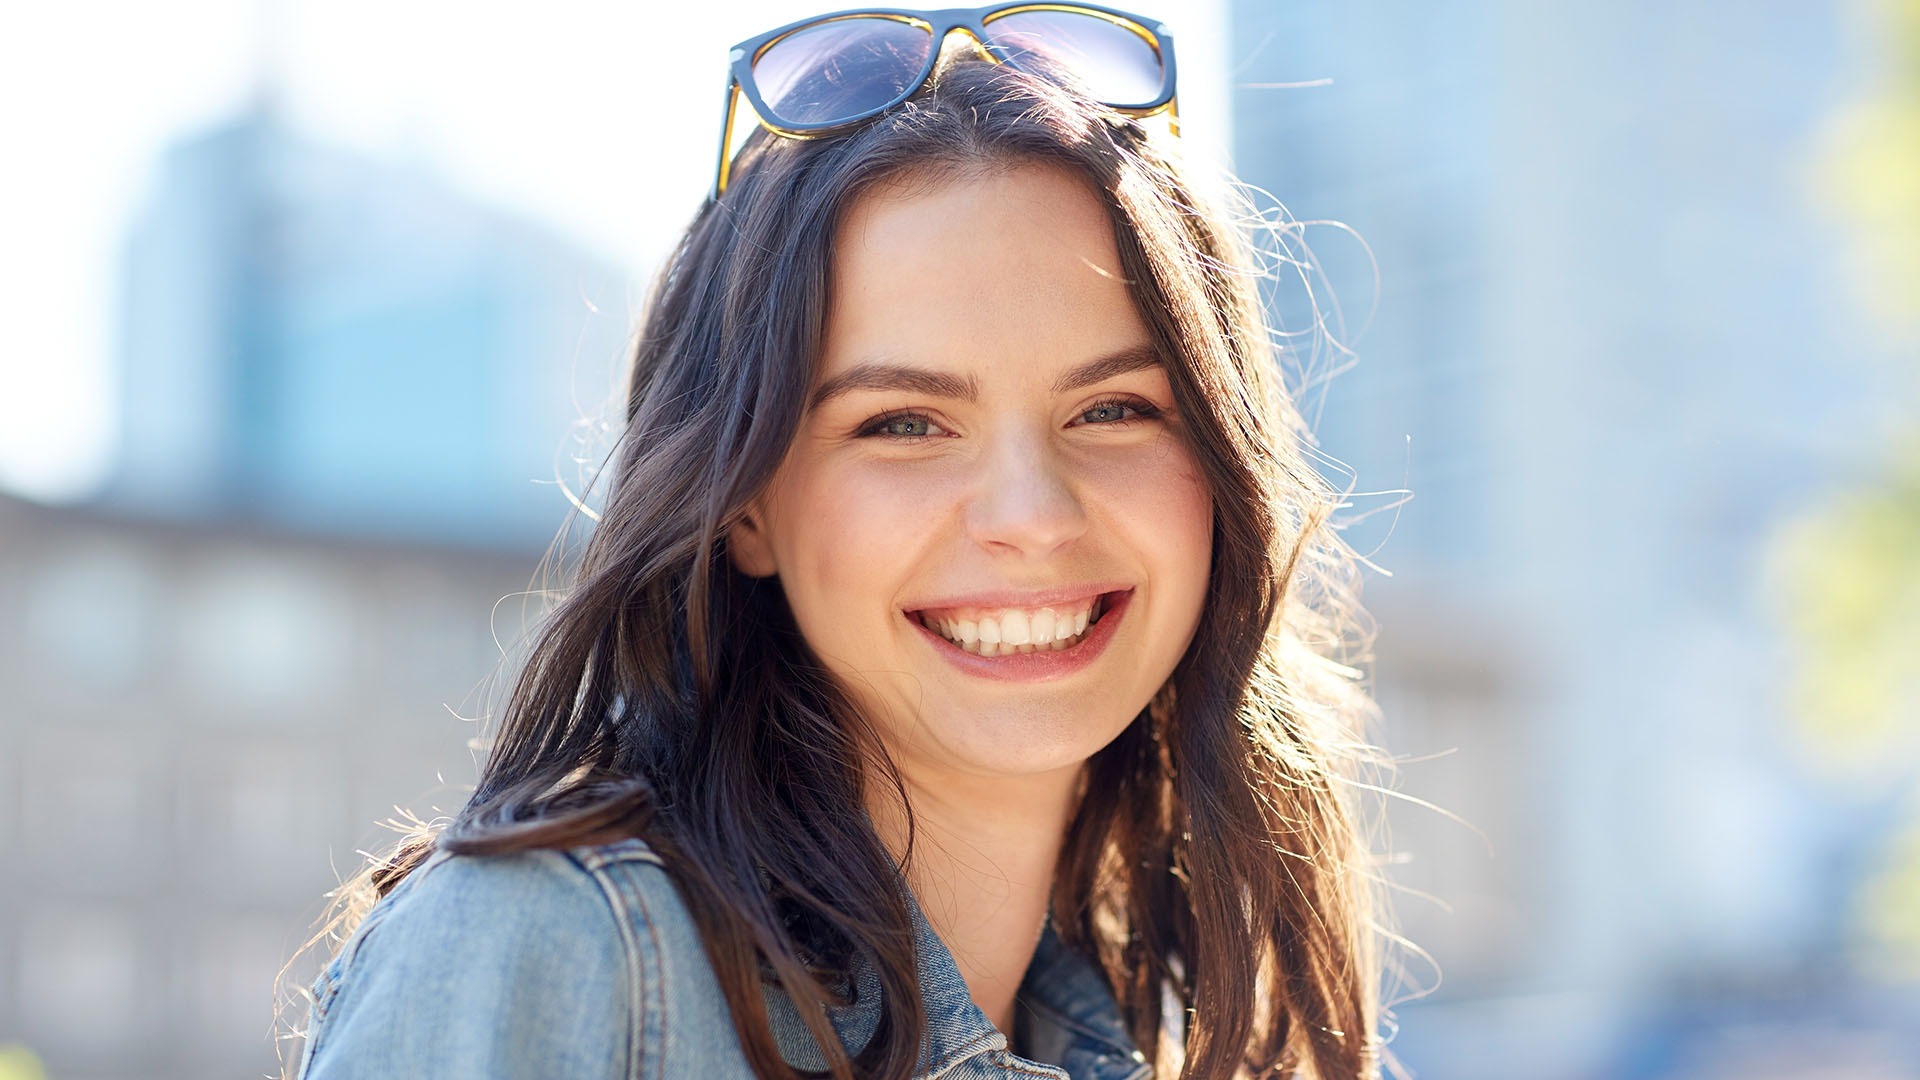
1021,745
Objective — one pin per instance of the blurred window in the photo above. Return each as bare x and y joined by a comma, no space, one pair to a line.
262,634
83,803
91,610
80,975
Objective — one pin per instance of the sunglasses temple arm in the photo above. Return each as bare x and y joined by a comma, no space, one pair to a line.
726,140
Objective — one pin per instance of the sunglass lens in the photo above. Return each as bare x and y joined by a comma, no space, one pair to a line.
1106,60
841,69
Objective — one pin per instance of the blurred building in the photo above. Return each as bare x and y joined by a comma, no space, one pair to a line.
328,342
348,394
201,726
1606,362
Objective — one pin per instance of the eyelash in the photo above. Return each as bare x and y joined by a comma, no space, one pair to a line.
876,428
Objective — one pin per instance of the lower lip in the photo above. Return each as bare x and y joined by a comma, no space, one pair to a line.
1040,665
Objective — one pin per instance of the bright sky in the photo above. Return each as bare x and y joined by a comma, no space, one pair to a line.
560,116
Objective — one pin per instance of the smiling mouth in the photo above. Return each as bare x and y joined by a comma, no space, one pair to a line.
1011,631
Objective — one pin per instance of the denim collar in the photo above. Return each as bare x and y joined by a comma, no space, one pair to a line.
1068,1013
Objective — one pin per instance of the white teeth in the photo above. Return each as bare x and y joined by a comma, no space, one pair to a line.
1011,631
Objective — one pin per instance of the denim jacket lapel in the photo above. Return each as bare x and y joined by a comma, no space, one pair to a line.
1067,1004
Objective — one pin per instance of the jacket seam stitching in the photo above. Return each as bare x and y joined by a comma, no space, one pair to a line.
983,1045
629,850
637,982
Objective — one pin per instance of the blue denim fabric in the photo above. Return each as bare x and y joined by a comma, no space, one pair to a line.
586,963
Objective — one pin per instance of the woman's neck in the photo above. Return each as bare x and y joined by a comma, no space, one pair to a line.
984,852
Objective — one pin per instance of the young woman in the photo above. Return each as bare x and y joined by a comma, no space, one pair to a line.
950,686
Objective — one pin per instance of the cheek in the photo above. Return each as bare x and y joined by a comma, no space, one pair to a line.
851,535
1188,528
1164,507
1164,501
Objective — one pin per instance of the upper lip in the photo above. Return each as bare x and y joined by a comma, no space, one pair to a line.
1020,598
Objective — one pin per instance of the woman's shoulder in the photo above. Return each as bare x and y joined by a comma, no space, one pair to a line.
525,896
506,909
578,961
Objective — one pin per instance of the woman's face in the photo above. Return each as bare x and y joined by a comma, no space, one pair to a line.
989,459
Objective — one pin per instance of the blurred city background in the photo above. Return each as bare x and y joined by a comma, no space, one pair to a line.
316,313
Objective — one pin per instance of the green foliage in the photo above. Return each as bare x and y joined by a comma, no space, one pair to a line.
1870,174
1846,576
1886,916
19,1063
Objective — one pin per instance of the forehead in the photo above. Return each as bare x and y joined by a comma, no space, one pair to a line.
1010,266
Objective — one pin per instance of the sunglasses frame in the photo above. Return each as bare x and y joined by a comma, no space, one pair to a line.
940,23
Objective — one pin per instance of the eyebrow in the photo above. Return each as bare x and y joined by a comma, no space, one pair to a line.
879,375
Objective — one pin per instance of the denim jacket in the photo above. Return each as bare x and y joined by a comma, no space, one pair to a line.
586,963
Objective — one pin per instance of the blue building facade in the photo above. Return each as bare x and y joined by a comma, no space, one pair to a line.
329,343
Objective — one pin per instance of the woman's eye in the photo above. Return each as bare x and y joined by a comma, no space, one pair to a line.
1111,413
900,426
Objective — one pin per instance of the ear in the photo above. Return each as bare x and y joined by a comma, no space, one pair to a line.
749,544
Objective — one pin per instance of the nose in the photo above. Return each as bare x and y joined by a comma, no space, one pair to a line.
1025,502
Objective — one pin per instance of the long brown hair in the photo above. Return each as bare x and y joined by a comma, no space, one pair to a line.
1217,853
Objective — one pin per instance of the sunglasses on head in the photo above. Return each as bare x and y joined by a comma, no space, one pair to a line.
823,75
